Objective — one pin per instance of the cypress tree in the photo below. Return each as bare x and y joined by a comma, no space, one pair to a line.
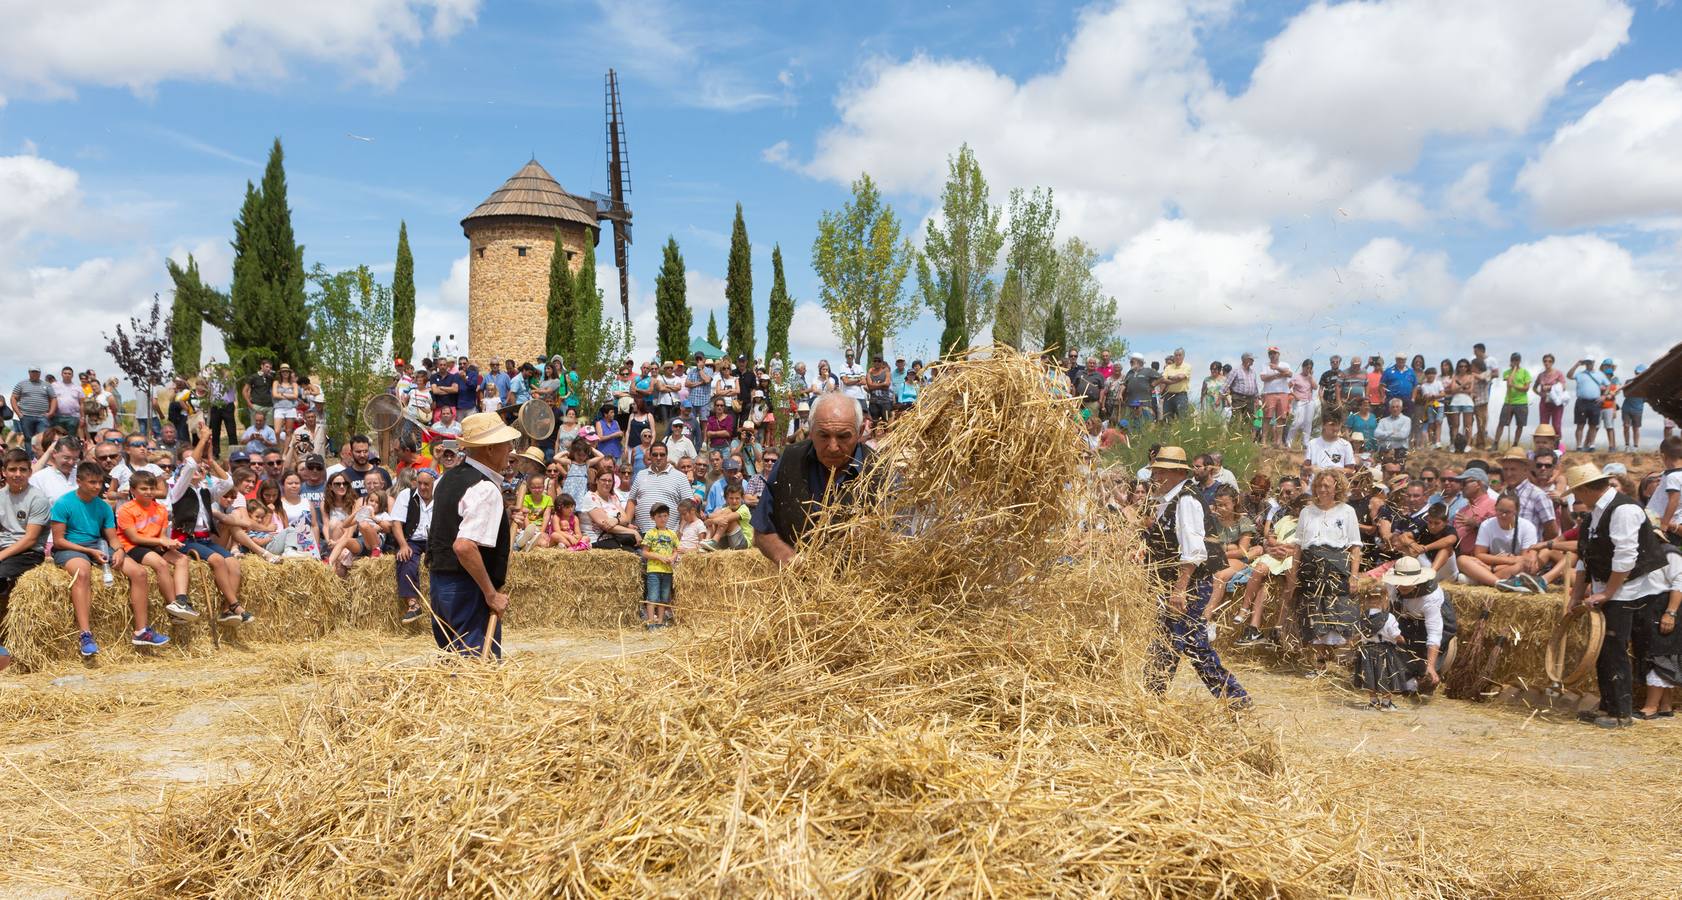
588,336
1007,316
186,322
403,297
672,315
712,329
562,306
738,289
1056,334
781,314
952,337
268,316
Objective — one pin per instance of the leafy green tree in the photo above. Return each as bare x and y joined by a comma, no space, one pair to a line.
962,245
186,315
350,316
1032,258
712,330
861,262
1091,317
781,313
1056,337
403,297
953,341
672,315
562,304
738,290
267,315
591,351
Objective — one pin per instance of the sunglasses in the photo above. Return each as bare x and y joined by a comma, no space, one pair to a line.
140,445
1543,465
107,457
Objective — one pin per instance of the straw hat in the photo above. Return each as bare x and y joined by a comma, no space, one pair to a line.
1170,458
1515,453
1544,430
535,455
484,430
1583,475
1409,571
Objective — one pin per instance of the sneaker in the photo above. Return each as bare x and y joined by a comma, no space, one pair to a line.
148,638
1610,722
246,618
1513,585
412,614
230,614
89,648
1537,584
182,608
1251,637
709,546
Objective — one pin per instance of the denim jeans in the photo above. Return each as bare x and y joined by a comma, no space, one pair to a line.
31,426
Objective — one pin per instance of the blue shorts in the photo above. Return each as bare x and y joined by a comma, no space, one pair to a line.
60,557
659,587
1242,578
204,548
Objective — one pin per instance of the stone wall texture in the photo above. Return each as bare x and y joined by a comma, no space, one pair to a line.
508,294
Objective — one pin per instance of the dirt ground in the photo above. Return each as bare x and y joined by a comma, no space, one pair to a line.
90,748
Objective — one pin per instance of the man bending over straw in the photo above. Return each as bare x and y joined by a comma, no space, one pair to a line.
809,476
1179,557
467,548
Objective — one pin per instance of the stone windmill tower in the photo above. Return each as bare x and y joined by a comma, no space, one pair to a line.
511,239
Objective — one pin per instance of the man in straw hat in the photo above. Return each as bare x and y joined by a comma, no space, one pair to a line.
1426,618
467,548
1624,561
1180,557
811,474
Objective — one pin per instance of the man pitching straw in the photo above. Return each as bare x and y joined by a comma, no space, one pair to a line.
1182,565
467,549
810,476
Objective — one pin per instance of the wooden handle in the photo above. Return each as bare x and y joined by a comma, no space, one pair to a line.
490,635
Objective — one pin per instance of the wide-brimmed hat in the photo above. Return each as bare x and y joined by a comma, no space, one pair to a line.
535,455
1544,430
485,429
1170,458
1515,454
1409,571
1585,474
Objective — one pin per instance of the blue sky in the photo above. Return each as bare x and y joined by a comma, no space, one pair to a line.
1327,177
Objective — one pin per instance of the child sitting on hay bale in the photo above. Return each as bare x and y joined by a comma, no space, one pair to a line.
142,529
84,533
193,522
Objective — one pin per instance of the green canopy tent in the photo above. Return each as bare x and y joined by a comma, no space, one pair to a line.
700,345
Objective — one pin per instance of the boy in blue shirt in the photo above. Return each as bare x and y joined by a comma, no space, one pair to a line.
85,535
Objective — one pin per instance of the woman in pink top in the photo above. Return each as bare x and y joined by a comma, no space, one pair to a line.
1551,413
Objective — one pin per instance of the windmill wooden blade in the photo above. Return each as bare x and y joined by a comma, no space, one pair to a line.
619,187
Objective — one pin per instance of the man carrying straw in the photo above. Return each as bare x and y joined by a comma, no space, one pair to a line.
809,476
467,549
1178,556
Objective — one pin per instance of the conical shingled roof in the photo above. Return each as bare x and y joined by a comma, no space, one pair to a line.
534,194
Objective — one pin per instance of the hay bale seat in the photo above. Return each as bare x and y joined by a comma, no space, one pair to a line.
292,599
547,589
705,585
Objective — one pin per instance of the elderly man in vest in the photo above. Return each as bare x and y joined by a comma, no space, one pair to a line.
467,546
809,476
1623,561
1182,562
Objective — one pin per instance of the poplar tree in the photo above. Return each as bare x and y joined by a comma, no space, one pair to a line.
861,262
562,305
961,246
738,290
781,313
403,297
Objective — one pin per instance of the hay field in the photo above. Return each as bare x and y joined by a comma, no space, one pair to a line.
943,696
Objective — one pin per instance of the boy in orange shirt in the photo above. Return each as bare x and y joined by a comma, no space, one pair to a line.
143,530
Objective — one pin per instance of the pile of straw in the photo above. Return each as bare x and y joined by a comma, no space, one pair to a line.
727,579
291,599
548,589
893,715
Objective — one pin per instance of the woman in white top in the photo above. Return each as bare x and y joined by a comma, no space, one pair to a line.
602,513
1331,550
285,402
1506,555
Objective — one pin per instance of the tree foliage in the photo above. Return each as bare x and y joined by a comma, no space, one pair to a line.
599,342
712,330
403,297
143,351
186,315
1032,258
350,317
961,246
953,340
861,262
1091,318
672,316
561,309
1055,338
267,315
781,313
738,290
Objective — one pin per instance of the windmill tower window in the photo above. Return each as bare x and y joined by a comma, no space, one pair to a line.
521,250
481,251
570,255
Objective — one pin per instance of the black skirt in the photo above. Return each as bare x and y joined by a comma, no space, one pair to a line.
1664,651
1379,665
1323,587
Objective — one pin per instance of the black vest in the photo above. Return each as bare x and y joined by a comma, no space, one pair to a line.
1162,541
446,521
185,513
411,517
1594,546
793,503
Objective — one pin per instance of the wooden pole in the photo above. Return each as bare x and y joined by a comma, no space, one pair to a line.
490,635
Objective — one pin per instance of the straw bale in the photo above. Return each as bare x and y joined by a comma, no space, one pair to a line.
882,723
291,599
704,583
1525,620
547,589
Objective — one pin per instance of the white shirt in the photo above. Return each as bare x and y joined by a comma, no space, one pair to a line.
650,487
855,391
53,483
1670,484
400,509
680,448
1279,385
1428,607
593,501
1188,524
1625,530
481,508
1333,454
123,473
1503,542
1335,527
1391,630
1393,432
452,349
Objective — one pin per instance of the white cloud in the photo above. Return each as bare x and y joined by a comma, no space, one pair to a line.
1130,123
36,192
811,335
1622,160
441,311
671,46
49,48
1468,197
